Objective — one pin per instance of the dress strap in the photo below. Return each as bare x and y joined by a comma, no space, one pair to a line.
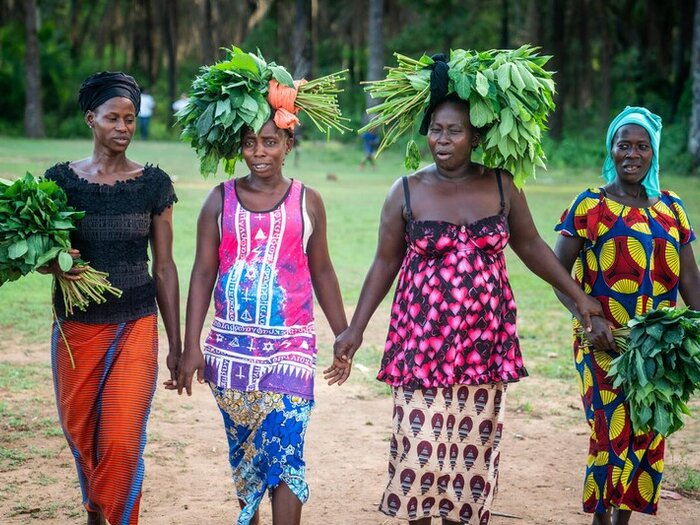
500,191
407,198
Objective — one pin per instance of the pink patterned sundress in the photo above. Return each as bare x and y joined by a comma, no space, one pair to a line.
453,319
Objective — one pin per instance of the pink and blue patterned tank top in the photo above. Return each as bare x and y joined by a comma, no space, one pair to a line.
263,335
453,319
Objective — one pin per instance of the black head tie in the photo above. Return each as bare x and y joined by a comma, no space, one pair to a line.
100,87
439,83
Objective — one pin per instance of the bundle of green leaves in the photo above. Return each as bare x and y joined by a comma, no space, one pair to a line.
231,94
510,96
35,226
659,368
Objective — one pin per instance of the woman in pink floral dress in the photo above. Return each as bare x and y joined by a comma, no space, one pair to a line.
452,346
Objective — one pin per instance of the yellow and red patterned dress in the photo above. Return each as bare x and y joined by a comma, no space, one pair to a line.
630,262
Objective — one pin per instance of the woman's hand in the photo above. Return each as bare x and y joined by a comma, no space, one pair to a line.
588,308
346,344
192,360
54,269
600,334
173,363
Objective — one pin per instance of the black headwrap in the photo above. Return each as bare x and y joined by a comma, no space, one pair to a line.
439,82
100,87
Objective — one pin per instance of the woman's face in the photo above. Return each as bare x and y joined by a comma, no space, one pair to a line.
264,153
451,136
632,153
113,123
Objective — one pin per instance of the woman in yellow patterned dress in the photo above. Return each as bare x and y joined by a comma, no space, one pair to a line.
629,245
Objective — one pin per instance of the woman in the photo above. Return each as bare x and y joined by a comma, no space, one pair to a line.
262,250
629,243
452,346
104,402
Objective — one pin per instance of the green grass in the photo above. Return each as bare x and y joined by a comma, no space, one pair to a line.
353,203
15,379
686,478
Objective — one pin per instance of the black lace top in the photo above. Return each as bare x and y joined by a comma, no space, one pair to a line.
113,237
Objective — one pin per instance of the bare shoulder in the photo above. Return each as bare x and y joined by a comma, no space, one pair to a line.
313,198
213,202
422,176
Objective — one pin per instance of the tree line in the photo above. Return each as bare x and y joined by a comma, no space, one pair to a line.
606,53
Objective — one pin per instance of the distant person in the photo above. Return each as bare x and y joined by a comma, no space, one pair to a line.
370,143
148,104
180,103
629,241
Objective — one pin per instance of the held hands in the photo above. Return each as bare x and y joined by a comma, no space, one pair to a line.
597,328
588,308
173,363
346,344
600,334
192,360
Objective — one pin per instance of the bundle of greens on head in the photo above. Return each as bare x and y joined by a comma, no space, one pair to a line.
35,226
243,91
508,92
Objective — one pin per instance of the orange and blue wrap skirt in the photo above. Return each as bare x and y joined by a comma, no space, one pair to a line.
103,406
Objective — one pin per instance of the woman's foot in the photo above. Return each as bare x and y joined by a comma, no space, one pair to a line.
96,518
621,517
602,518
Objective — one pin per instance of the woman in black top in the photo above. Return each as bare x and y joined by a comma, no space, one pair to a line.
104,401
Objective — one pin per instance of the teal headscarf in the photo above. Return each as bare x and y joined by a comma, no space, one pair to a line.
650,122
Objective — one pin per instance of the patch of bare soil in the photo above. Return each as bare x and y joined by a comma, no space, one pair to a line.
188,479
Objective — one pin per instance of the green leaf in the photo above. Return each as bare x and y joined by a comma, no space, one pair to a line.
506,124
281,75
503,76
222,106
18,249
412,157
48,256
65,261
205,121
662,422
481,84
515,77
656,331
480,113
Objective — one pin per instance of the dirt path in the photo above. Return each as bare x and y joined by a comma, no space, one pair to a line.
187,474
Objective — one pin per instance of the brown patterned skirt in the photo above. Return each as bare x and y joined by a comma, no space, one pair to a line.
444,453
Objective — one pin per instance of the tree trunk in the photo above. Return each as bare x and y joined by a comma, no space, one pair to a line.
604,88
314,38
504,24
170,12
375,45
694,132
151,63
33,111
681,62
207,33
301,44
558,47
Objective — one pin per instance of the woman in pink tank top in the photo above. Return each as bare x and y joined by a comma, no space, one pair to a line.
262,251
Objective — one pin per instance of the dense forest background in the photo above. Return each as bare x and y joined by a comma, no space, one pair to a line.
607,54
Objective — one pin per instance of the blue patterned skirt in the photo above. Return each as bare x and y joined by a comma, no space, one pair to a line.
265,432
